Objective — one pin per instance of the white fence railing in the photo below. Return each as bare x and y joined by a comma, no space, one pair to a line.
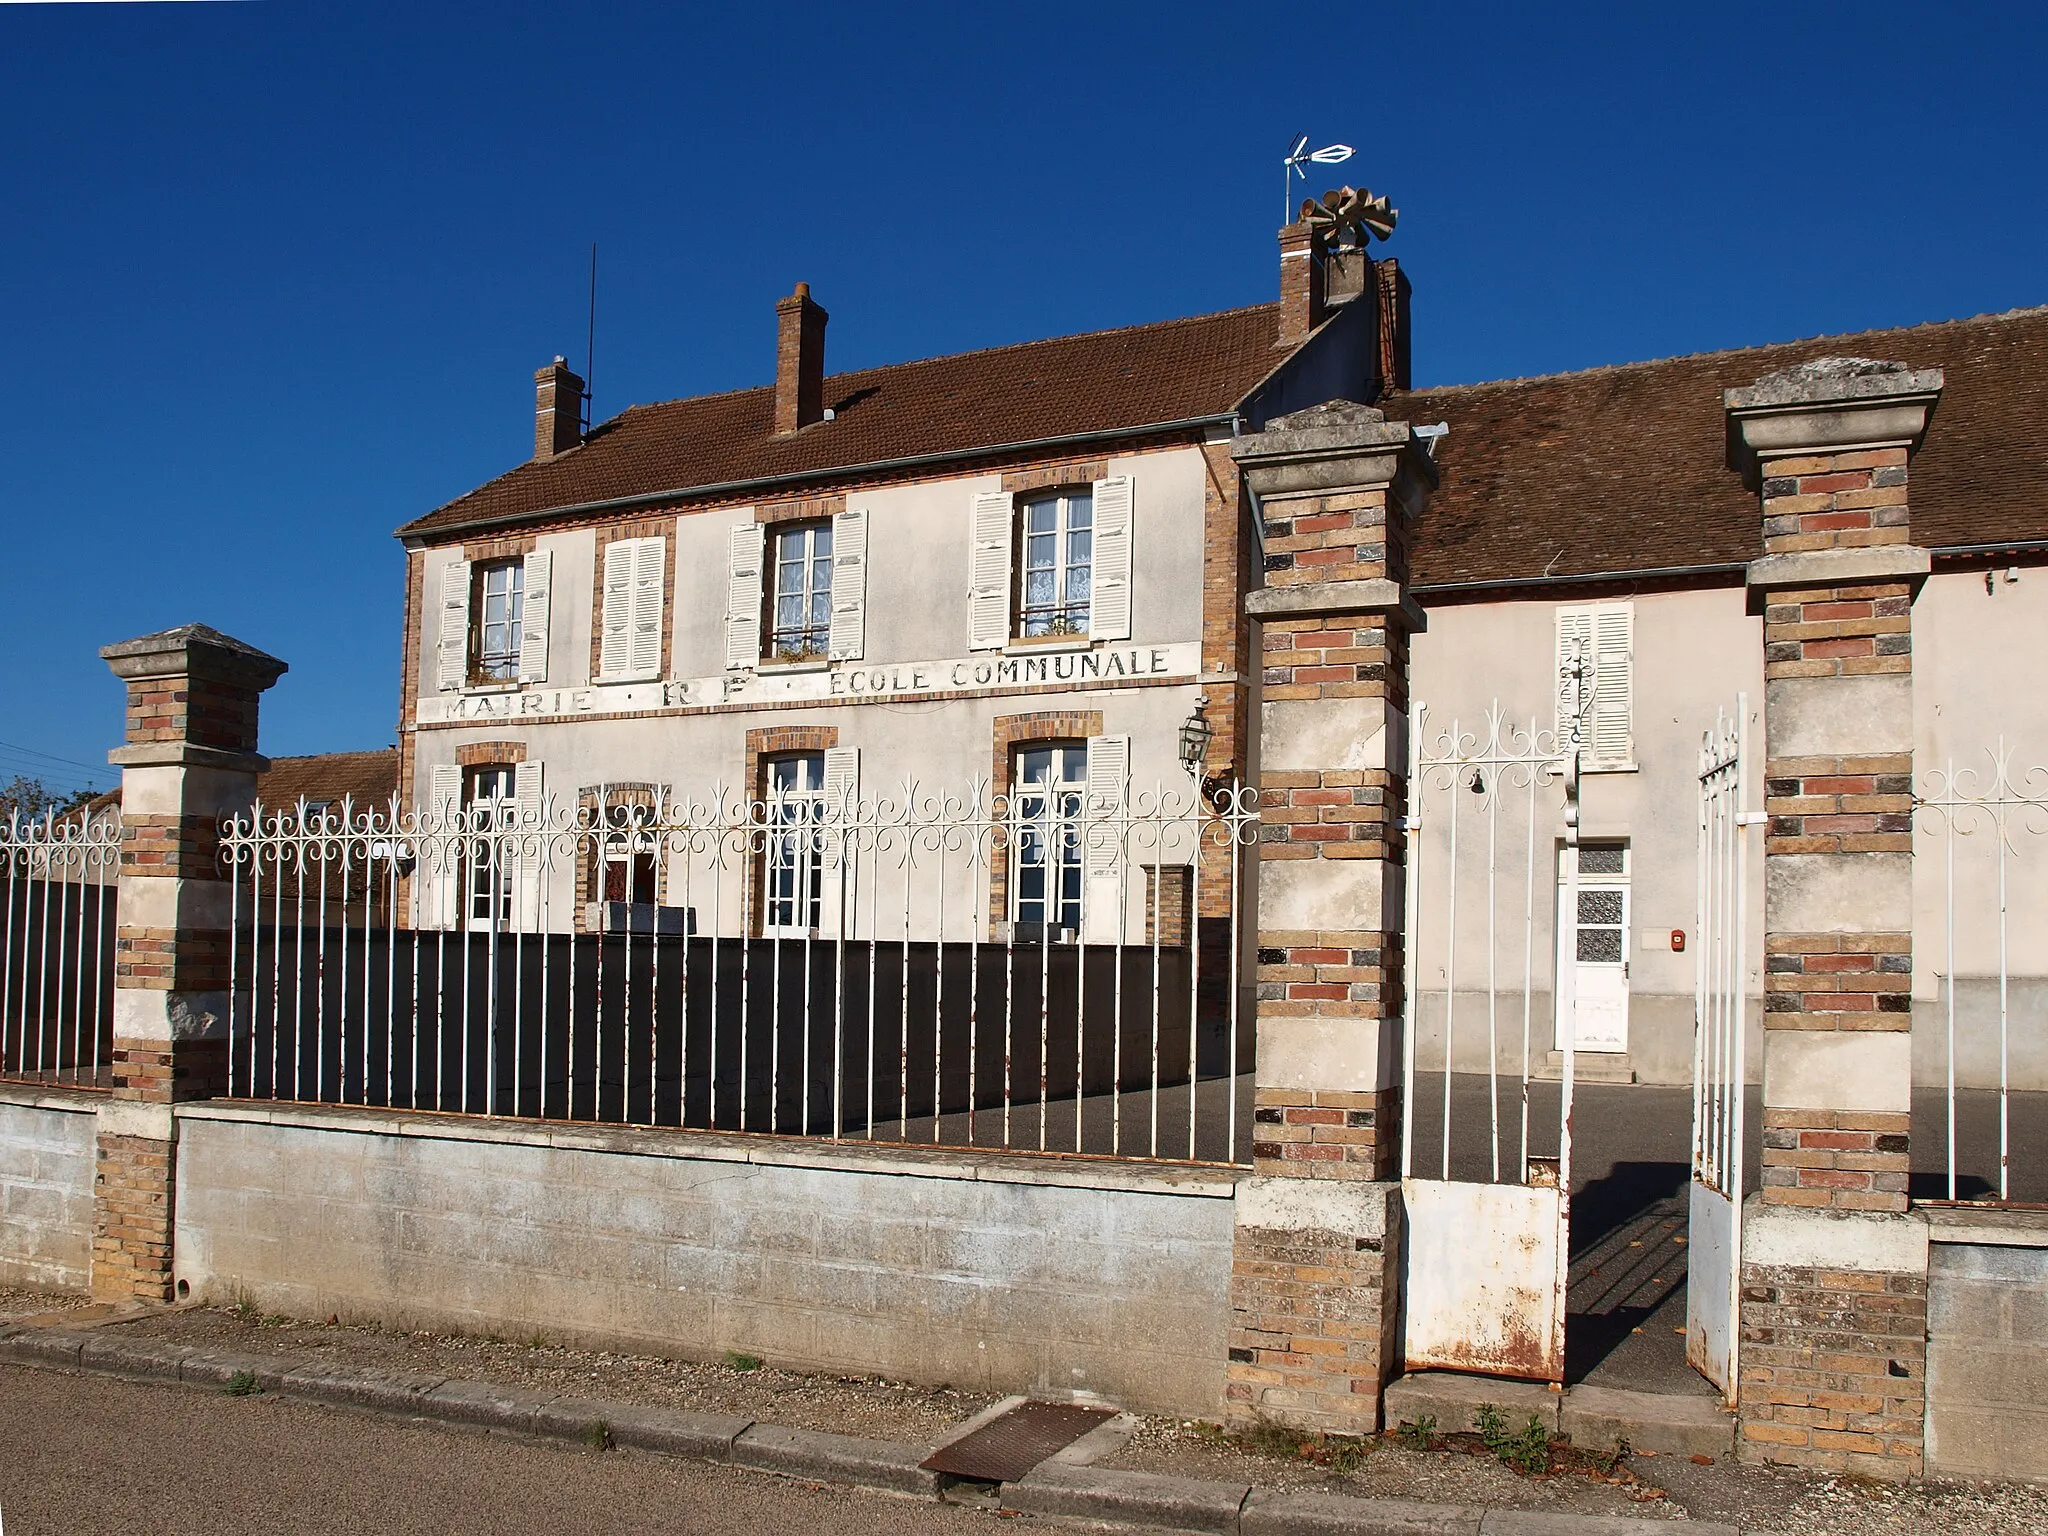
1985,824
1038,969
57,960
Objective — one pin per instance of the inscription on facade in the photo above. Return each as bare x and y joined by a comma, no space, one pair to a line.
856,682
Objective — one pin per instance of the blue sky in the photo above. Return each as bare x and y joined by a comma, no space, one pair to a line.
274,277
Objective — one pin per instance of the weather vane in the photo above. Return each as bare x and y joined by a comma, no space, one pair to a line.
1301,156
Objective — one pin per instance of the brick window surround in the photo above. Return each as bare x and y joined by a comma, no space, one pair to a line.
489,754
663,528
589,882
773,741
1011,732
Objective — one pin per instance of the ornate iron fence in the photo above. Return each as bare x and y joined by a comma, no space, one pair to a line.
1045,969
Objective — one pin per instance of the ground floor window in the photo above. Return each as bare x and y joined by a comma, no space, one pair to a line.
1048,788
487,800
794,800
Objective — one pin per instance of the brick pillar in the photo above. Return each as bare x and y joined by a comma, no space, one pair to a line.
189,759
1315,1287
1834,1273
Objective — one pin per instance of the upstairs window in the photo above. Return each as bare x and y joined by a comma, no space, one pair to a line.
1058,546
1596,683
493,623
1051,565
500,604
800,625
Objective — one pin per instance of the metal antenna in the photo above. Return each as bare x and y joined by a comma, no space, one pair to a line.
590,343
1297,157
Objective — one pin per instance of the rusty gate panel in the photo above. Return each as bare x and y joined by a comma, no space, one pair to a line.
1486,1267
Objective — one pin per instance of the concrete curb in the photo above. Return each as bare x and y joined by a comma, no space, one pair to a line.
1056,1487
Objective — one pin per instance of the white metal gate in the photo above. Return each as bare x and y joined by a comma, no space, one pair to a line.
1714,1226
1489,814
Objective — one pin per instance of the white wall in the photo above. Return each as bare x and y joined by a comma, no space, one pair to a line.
46,1168
983,1270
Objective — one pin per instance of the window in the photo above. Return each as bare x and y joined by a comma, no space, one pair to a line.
1049,786
500,612
1058,564
1595,685
493,625
800,627
488,797
795,802
630,856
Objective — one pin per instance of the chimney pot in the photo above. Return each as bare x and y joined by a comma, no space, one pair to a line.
799,360
557,410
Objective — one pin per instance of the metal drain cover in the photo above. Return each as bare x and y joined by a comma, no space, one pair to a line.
1007,1447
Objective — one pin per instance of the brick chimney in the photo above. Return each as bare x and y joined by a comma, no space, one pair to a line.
1303,304
557,410
799,360
1395,295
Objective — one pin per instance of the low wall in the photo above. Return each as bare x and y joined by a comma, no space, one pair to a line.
986,1270
1987,1344
46,1156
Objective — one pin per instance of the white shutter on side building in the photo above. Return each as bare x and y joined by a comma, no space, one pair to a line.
533,617
1109,609
743,595
849,587
453,634
988,579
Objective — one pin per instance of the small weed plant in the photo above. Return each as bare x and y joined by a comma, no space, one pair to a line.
242,1384
1420,1434
1527,1449
598,1436
741,1361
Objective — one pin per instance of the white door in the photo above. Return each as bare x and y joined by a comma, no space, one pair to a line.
1593,939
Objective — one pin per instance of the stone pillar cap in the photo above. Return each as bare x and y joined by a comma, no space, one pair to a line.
1329,447
1829,405
193,650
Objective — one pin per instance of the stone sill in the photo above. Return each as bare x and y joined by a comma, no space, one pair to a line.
74,1101
974,1165
1047,644
1996,1226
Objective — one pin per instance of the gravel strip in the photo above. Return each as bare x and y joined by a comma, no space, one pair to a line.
28,1300
844,1405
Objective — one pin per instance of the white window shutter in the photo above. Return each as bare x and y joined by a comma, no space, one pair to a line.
1574,700
1109,609
614,652
842,805
438,869
454,632
525,846
988,579
1109,778
643,653
533,617
849,589
743,595
1613,683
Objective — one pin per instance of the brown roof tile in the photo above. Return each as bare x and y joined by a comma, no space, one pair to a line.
1625,468
371,777
1105,381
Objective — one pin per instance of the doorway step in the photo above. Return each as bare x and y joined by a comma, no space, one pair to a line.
1594,1418
1592,1067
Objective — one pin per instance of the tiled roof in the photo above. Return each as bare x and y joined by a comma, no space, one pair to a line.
1625,468
1105,381
371,777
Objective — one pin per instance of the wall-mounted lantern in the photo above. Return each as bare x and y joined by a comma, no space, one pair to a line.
1195,735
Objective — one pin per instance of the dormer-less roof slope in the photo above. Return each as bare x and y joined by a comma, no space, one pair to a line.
1101,382
1625,469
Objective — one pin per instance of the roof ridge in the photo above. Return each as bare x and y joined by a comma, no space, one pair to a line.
953,357
1688,357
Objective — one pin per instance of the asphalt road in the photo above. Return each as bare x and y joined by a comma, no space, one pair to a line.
81,1454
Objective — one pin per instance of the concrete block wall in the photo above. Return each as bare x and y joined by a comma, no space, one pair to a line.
46,1172
980,1270
1987,1370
